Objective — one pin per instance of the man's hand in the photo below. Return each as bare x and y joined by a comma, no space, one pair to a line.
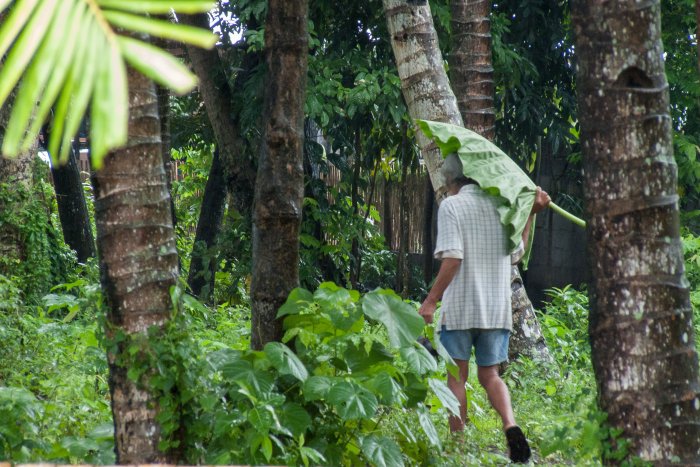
542,200
427,310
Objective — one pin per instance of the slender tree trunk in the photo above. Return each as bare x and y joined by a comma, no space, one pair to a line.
424,82
279,185
641,330
164,115
204,258
471,65
472,77
428,221
138,265
72,208
403,264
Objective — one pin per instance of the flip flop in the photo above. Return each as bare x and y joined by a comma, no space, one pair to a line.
517,444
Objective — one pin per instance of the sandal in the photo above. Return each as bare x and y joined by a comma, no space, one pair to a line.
517,444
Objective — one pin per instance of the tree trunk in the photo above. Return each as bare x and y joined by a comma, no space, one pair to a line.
138,265
472,77
641,330
424,82
203,263
279,186
471,65
217,97
72,209
428,223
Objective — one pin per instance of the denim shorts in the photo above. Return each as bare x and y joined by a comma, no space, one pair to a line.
490,345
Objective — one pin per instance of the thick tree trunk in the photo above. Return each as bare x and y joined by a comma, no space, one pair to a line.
279,186
72,208
424,82
204,258
471,65
138,265
641,330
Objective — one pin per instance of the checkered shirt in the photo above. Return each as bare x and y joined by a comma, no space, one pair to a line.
470,229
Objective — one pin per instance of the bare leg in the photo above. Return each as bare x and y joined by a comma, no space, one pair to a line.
498,394
458,389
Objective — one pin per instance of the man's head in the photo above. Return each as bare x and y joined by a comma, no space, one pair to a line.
452,171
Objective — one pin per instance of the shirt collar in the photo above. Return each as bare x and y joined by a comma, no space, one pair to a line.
470,188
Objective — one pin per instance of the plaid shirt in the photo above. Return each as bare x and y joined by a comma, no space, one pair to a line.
470,229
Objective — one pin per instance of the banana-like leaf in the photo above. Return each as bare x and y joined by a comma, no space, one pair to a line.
67,56
494,171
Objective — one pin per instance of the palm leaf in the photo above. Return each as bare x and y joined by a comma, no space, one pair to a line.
495,172
67,55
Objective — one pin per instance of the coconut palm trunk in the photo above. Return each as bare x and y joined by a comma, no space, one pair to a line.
471,72
138,266
641,331
279,187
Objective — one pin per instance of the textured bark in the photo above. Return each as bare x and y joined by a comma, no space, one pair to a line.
279,186
527,338
424,82
641,332
217,96
471,65
204,260
138,264
72,208
13,172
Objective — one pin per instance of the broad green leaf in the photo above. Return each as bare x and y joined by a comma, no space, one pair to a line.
15,21
418,358
428,426
35,79
443,393
242,372
387,388
219,359
402,322
359,360
450,364
316,387
23,49
165,29
492,169
295,419
158,65
382,451
331,296
285,361
299,299
158,6
352,401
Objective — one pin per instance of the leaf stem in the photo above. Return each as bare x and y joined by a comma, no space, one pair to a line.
567,215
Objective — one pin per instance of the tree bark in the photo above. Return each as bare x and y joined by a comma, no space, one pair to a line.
471,65
138,265
428,224
279,185
72,209
203,263
424,82
641,330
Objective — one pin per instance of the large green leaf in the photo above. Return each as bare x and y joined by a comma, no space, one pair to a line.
298,300
418,358
352,401
295,419
317,387
402,322
68,56
428,426
387,388
360,359
243,373
285,361
443,393
382,451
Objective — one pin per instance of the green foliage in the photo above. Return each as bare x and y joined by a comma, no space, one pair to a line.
564,324
70,57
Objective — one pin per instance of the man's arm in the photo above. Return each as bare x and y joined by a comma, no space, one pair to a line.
448,270
542,200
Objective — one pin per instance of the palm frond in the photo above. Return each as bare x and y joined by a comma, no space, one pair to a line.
71,56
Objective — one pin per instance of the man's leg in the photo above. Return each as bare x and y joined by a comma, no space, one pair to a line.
457,386
498,394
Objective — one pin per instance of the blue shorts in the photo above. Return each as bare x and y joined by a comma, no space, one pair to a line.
490,345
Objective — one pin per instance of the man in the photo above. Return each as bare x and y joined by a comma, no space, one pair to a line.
474,285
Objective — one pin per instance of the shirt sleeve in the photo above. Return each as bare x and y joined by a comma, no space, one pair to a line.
449,235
